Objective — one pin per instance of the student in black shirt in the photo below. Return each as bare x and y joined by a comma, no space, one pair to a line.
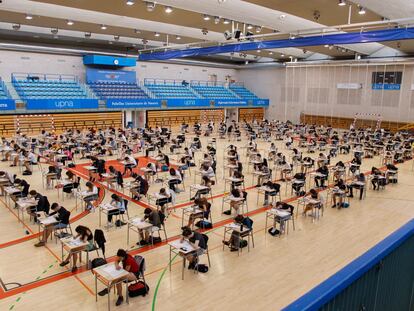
43,204
198,241
62,216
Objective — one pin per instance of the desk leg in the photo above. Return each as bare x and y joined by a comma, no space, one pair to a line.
109,298
100,216
182,272
96,288
128,235
126,292
170,258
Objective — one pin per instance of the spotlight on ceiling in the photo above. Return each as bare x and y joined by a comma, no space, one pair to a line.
326,45
228,35
226,21
204,31
341,3
258,51
282,55
28,16
137,31
258,29
178,38
168,9
16,26
221,1
88,35
150,6
70,23
206,17
249,26
361,10
130,2
116,38
216,20
103,27
270,53
54,31
156,34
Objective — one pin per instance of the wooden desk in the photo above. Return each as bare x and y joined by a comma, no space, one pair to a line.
182,249
109,276
73,246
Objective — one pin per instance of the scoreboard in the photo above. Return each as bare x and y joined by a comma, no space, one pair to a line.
388,80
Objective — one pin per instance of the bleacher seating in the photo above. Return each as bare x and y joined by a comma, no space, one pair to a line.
4,94
242,92
214,92
170,91
117,90
49,89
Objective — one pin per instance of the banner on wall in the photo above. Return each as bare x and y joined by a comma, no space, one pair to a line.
7,104
61,104
220,103
94,75
259,102
188,103
134,103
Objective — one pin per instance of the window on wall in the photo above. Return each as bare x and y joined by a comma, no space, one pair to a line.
349,97
385,98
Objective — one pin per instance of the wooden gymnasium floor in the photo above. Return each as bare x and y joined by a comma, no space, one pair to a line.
270,276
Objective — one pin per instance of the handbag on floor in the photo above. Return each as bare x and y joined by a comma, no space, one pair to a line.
138,289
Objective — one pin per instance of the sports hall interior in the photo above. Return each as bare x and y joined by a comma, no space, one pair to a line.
206,155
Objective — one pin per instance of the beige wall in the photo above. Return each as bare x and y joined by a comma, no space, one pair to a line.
26,62
313,90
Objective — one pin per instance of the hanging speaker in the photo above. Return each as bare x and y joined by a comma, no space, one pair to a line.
228,35
237,34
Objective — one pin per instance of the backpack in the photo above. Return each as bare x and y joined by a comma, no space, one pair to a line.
273,231
138,289
97,262
204,224
202,268
243,243
164,168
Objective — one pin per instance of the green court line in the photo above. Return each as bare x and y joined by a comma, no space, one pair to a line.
154,299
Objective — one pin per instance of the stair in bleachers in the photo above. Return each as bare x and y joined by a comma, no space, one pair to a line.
171,91
242,92
12,91
219,91
118,90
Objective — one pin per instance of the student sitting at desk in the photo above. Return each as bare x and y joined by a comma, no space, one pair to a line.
357,183
83,234
129,264
273,187
166,198
313,195
8,175
43,204
322,160
129,164
29,159
62,216
339,170
207,170
377,179
72,182
272,151
154,218
235,204
205,208
234,241
197,241
119,204
320,180
174,179
151,170
355,164
264,171
24,186
286,169
92,195
52,173
339,192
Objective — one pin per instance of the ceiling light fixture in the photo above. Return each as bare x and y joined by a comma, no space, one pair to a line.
130,2
178,38
258,51
88,35
216,20
341,3
282,55
326,45
206,17
28,16
361,10
150,6
137,31
270,53
226,21
258,29
168,9
70,23
116,38
156,34
249,26
54,31
103,27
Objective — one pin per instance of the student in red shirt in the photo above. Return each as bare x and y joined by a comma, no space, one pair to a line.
130,265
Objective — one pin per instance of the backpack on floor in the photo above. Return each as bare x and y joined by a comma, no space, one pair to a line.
243,244
97,262
155,240
273,231
202,268
204,224
138,289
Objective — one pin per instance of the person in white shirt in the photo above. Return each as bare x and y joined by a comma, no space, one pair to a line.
30,159
130,163
207,170
151,170
92,195
174,179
